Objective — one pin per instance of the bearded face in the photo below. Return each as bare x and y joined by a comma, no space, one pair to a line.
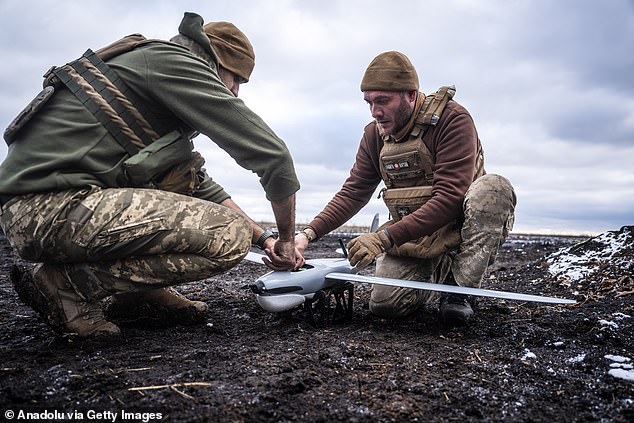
390,109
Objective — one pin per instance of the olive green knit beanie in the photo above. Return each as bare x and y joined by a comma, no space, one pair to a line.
390,71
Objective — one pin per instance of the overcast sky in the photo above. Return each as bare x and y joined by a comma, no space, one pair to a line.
550,85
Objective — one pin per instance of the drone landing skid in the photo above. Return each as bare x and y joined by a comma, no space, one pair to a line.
330,306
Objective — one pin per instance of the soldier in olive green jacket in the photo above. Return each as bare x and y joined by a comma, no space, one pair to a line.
101,187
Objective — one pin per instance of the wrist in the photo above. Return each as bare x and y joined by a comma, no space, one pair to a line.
309,233
262,238
386,239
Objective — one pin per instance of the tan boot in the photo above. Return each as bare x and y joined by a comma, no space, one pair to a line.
158,305
48,291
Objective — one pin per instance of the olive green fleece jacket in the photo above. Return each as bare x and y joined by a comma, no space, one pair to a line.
65,147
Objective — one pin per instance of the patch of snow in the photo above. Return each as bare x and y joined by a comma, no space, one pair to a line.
609,323
621,316
575,262
624,370
577,359
617,358
621,366
622,374
528,354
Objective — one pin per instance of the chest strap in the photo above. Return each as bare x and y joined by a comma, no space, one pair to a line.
106,96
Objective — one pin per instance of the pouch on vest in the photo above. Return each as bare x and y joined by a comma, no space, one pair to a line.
150,163
27,113
435,245
403,201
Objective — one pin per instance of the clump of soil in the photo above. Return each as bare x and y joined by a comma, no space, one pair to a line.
515,361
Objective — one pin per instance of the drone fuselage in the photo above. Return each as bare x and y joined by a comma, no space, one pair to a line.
281,291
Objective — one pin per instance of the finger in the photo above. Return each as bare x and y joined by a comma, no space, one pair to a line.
355,258
274,266
299,259
278,262
353,248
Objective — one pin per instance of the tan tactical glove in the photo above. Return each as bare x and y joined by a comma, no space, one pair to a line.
363,249
184,178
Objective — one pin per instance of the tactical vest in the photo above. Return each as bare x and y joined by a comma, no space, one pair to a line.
152,149
102,92
407,169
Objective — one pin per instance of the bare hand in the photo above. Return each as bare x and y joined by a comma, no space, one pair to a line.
301,243
282,256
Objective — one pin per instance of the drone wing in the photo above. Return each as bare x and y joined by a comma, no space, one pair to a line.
254,257
448,288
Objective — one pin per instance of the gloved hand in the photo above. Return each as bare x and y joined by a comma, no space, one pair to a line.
363,249
184,178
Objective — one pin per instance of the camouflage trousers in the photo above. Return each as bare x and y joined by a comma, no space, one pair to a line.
123,239
488,208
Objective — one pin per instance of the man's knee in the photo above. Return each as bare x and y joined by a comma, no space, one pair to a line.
235,241
491,192
394,302
491,200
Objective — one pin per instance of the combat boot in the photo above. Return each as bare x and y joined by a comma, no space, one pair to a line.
455,309
161,304
47,289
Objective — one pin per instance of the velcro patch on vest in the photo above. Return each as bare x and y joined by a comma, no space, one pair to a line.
403,166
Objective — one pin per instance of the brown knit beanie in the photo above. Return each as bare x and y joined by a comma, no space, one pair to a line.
234,51
390,71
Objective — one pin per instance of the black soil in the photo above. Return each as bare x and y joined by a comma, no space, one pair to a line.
516,361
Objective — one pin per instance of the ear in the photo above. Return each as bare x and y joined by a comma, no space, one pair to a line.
411,96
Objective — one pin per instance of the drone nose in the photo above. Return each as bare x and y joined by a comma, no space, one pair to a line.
258,287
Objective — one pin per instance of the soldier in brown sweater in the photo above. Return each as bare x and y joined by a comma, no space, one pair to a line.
448,217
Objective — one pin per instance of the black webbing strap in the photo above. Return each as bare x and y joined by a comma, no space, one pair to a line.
94,108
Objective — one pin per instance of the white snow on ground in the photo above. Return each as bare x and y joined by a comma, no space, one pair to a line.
528,354
577,359
608,323
611,324
574,263
621,367
621,316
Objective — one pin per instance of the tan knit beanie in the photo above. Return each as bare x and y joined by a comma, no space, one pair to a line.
234,51
390,71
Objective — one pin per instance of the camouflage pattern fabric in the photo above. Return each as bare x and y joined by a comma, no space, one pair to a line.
489,207
124,239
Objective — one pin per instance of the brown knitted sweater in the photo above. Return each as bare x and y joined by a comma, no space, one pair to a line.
453,142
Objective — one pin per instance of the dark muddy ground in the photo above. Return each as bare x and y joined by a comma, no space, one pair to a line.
515,362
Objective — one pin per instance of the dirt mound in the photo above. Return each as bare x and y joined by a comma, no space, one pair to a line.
514,362
596,267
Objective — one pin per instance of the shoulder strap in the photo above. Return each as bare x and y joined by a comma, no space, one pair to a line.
436,104
108,97
121,46
432,109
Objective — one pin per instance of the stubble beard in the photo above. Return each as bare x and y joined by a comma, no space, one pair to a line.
401,117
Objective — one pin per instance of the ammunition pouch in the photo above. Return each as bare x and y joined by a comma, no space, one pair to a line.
27,113
168,163
403,201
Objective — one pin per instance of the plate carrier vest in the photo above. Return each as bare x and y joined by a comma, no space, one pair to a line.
103,93
407,169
